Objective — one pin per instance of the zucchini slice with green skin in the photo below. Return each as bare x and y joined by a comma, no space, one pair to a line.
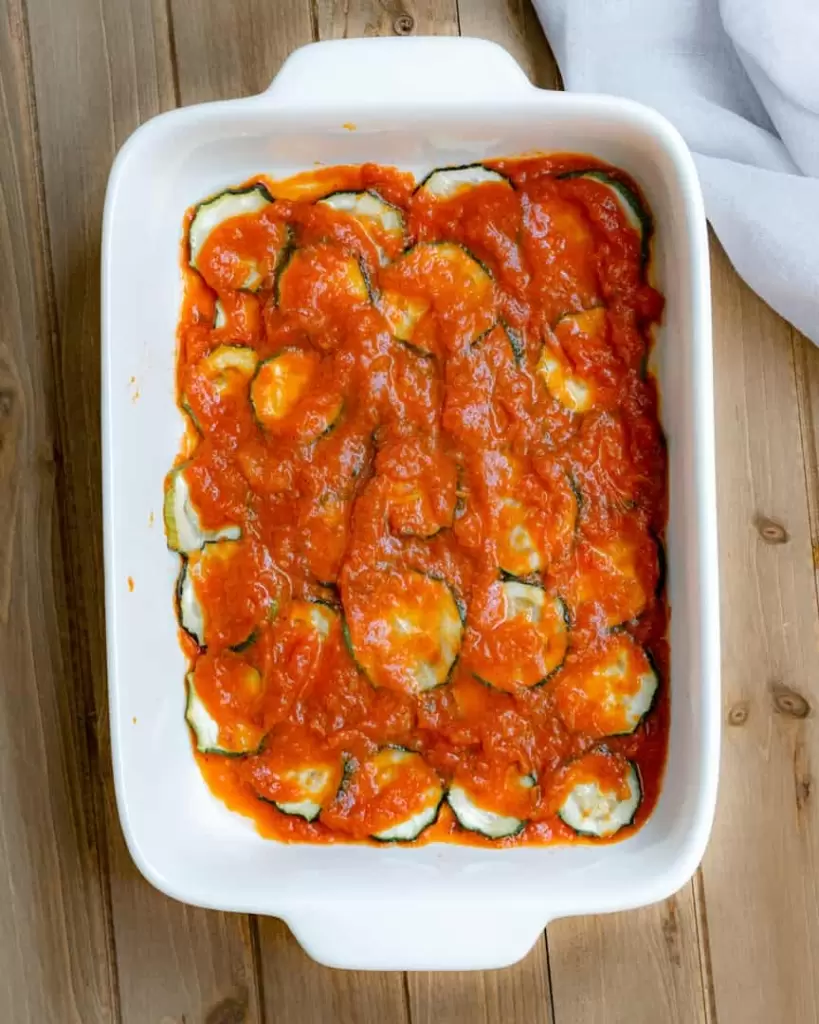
321,269
370,209
574,392
281,384
520,553
603,794
245,739
618,576
610,694
317,615
445,182
191,612
183,528
219,316
635,214
416,810
430,273
516,343
214,212
531,620
314,786
471,816
404,629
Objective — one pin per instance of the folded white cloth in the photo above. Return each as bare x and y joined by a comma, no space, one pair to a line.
740,80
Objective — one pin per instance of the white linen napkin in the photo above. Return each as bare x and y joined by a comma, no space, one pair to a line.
740,80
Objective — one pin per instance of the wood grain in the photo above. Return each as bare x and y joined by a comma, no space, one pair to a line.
99,70
295,988
349,19
54,934
299,991
761,869
515,995
513,24
634,968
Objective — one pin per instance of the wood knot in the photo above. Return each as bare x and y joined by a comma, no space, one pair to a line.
771,531
739,712
403,25
803,786
788,702
228,1011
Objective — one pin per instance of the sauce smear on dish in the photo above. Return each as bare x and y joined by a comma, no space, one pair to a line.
420,504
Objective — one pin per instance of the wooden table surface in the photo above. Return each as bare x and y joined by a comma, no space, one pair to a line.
83,938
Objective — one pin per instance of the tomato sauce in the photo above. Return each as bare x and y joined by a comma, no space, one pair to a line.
453,457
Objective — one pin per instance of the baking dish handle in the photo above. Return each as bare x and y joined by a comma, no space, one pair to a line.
422,937
403,72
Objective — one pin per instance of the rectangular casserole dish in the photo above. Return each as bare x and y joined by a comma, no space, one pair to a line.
440,906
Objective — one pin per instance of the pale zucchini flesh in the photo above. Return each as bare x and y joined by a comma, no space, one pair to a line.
191,612
206,729
183,528
216,211
618,689
635,214
594,809
471,816
389,762
546,616
368,208
408,640
315,785
445,182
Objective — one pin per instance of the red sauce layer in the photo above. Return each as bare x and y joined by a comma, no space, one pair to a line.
440,443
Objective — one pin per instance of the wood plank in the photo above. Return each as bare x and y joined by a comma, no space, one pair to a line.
521,993
633,968
222,56
761,869
209,66
513,24
354,18
55,948
99,70
663,939
299,991
515,995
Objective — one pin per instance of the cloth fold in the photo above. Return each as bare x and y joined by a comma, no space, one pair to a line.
740,80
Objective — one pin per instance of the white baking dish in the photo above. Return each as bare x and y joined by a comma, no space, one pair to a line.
416,103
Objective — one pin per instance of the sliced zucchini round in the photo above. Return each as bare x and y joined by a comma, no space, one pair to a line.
532,635
616,580
575,392
408,790
191,612
279,390
403,628
520,551
210,739
603,794
379,218
230,367
611,694
635,214
412,512
294,774
221,568
316,615
313,786
433,274
444,182
219,315
215,212
183,528
516,343
474,817
315,277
